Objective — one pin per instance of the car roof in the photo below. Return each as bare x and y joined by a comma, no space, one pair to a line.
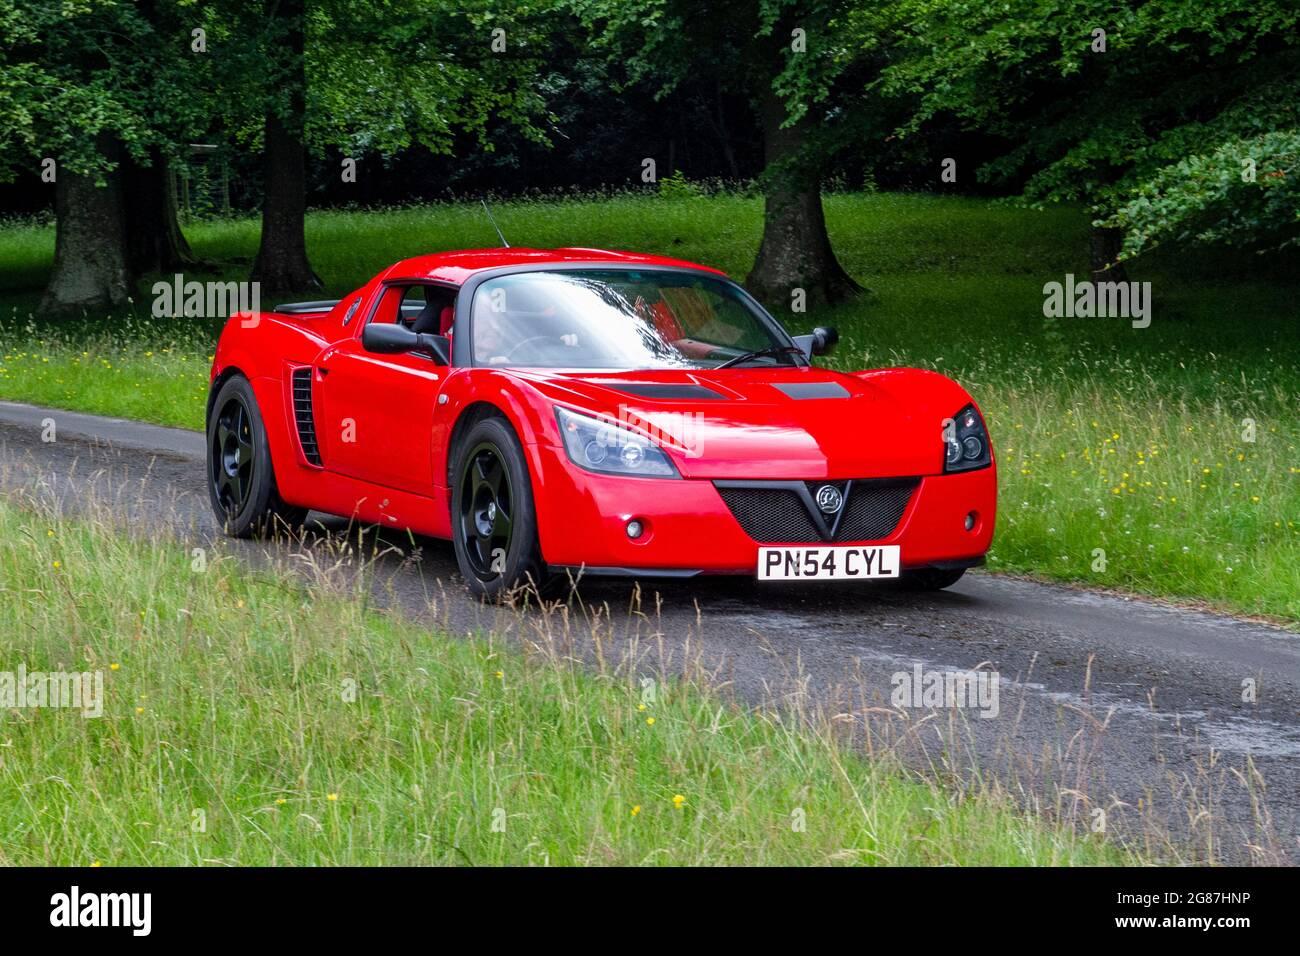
459,265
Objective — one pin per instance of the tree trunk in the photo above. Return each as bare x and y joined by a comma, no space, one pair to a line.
90,272
724,137
796,251
154,239
281,264
1105,245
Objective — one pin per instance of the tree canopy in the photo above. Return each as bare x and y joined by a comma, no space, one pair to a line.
1172,119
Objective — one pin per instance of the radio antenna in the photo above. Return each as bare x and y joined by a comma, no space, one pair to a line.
500,235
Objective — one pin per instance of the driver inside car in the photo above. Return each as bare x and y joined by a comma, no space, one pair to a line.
490,339
499,334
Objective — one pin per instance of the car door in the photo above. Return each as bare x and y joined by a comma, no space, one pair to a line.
377,411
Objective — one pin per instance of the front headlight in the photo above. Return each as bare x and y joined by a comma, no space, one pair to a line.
966,443
602,446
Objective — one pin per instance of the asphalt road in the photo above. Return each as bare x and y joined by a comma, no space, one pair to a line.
1106,702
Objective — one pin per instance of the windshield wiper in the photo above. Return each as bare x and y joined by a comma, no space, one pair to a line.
772,351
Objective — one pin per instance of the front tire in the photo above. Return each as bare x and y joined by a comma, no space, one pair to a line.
241,480
494,522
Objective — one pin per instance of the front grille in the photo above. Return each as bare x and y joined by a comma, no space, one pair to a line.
785,512
874,508
771,514
302,414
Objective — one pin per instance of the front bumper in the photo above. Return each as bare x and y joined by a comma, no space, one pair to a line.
689,529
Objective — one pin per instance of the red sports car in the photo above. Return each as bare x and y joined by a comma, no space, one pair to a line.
594,412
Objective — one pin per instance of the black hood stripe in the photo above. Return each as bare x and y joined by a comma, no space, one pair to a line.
668,390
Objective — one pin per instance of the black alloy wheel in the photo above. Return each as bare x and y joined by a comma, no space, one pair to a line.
231,458
487,505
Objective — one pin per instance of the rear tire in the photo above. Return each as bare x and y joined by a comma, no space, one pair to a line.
932,579
241,478
494,521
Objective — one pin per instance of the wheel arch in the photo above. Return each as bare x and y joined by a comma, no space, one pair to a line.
275,412
225,375
476,411
469,416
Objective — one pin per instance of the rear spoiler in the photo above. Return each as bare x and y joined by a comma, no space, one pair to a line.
303,308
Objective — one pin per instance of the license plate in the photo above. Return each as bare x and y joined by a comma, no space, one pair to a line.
830,563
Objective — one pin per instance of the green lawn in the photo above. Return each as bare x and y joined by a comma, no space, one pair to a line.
247,720
1127,455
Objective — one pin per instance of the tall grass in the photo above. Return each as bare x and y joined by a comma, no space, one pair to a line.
250,719
1151,492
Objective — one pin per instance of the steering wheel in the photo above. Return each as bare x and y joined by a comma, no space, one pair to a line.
510,356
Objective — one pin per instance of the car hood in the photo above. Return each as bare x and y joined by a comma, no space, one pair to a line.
774,422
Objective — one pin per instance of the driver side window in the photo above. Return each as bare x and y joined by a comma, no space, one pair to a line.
420,307
413,304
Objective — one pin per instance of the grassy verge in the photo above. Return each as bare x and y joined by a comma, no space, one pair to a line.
1161,460
119,377
247,720
1150,493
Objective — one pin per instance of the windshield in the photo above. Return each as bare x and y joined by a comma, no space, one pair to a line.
620,319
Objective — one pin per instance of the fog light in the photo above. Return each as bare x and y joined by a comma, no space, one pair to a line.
971,518
634,529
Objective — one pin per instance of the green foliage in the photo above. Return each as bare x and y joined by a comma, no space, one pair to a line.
72,71
1243,192
382,76
677,186
385,76
798,49
1182,89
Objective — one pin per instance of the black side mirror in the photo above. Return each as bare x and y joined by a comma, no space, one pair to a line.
823,338
393,338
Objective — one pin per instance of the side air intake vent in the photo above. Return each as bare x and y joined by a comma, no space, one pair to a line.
302,414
